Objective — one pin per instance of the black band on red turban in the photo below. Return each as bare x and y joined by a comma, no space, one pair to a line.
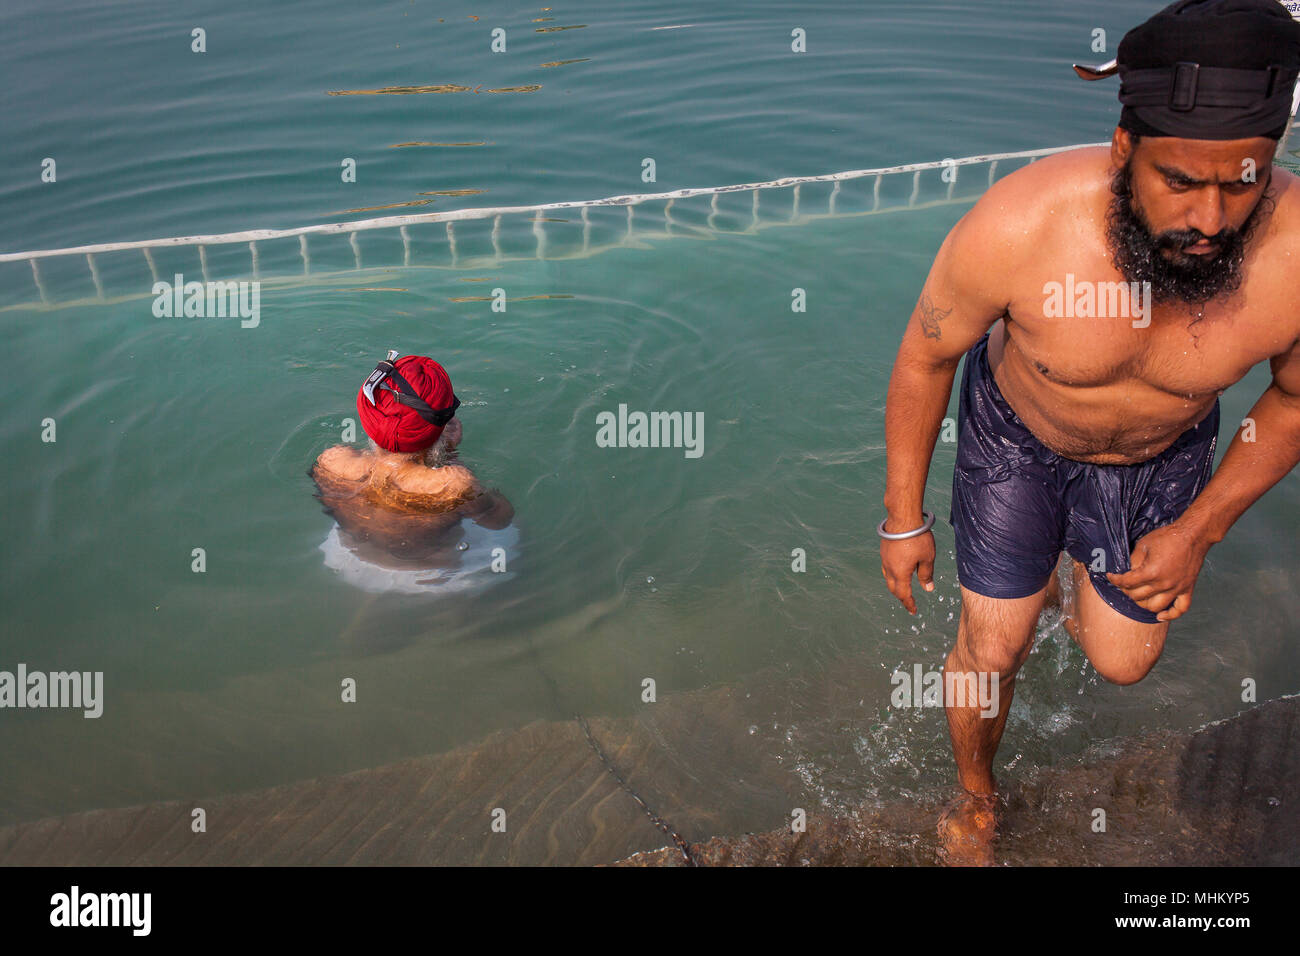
395,424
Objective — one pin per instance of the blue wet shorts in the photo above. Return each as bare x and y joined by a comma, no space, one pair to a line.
1016,504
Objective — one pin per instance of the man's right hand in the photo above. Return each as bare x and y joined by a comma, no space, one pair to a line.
899,560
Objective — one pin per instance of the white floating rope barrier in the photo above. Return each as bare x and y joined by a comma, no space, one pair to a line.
801,210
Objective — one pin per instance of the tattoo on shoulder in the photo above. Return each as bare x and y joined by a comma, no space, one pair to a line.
931,317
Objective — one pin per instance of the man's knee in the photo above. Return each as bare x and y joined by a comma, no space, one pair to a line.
994,636
1121,668
1123,653
985,654
1122,650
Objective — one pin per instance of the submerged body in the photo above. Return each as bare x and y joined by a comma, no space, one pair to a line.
396,510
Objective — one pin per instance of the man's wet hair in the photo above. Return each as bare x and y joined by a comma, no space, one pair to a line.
435,456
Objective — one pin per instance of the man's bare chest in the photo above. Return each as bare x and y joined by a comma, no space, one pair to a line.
1090,330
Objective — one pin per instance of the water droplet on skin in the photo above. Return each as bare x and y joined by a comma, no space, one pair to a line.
463,546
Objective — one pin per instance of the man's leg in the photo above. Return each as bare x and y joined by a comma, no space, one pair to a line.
1121,649
994,637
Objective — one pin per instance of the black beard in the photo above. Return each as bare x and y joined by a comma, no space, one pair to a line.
1182,276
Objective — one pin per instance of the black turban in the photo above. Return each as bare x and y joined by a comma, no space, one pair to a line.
1210,69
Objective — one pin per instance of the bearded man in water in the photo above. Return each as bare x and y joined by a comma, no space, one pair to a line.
398,502
1096,436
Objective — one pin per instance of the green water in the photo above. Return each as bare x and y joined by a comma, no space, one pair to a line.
176,434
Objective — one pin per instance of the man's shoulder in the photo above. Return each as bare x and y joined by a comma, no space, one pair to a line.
1286,211
1064,169
1019,212
344,461
1271,281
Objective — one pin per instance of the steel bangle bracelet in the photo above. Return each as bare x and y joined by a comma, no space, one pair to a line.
900,535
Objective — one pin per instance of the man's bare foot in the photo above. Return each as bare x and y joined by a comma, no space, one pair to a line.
1055,599
1067,566
968,829
1071,625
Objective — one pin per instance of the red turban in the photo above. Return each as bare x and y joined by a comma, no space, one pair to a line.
397,427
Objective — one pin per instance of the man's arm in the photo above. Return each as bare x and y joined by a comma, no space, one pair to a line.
966,291
964,294
1251,468
1167,561
491,510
